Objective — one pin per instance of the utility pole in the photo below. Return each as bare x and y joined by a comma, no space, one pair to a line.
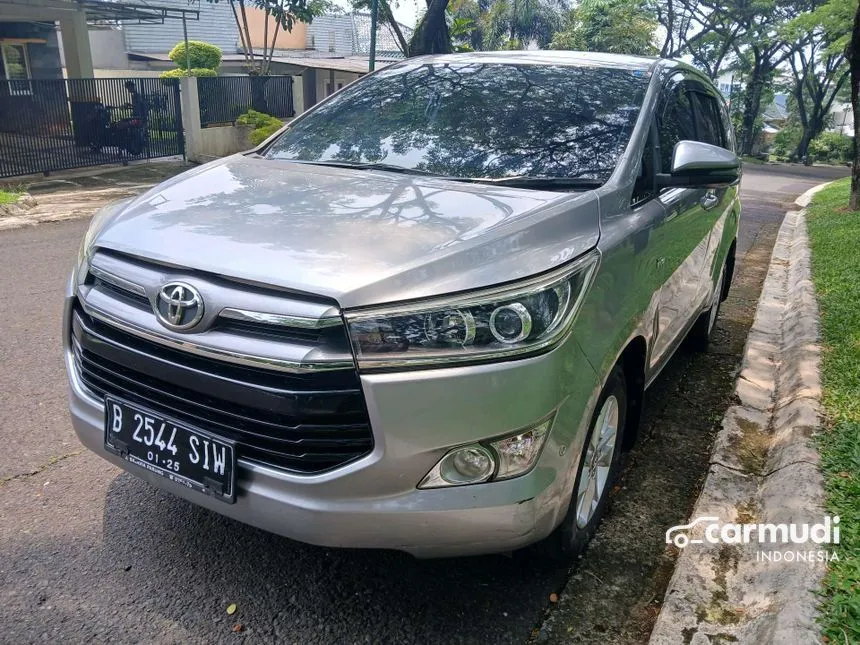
187,51
374,16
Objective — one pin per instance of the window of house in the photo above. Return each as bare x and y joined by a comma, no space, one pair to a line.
16,66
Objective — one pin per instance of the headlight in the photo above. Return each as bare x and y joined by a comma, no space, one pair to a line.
526,317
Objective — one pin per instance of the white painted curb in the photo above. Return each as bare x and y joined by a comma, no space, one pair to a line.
763,469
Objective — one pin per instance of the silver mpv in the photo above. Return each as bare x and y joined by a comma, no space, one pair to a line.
423,315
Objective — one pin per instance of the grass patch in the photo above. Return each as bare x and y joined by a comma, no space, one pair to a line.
834,233
8,197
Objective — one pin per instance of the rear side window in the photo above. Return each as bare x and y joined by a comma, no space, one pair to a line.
675,120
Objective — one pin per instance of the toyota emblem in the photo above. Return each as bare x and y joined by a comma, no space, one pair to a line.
178,306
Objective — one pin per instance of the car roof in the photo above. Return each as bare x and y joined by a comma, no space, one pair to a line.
549,57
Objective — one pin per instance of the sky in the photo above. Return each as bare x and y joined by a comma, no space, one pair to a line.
406,11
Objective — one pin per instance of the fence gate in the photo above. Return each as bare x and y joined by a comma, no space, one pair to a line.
58,124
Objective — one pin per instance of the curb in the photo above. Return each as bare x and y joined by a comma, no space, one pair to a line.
763,469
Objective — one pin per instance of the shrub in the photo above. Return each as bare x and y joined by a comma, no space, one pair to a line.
194,71
786,140
831,147
265,125
201,55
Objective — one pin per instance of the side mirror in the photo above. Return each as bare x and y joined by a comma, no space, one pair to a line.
701,165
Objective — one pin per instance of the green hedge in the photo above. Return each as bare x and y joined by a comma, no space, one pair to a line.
194,71
265,125
831,147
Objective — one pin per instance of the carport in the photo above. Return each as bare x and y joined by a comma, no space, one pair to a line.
46,117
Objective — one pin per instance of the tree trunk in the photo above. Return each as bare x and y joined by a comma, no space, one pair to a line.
752,106
854,60
431,34
802,151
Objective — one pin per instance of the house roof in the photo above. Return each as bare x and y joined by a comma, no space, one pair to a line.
355,64
774,112
386,41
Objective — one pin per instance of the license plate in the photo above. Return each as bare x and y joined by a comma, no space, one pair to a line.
187,456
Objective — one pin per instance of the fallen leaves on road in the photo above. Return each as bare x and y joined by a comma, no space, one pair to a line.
238,627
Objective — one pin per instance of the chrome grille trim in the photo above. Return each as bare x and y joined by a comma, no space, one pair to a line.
216,353
280,319
117,281
241,324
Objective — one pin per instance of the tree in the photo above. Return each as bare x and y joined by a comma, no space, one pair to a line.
200,59
817,81
760,52
431,35
818,66
285,13
516,24
615,26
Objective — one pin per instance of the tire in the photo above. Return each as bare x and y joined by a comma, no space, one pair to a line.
574,533
702,330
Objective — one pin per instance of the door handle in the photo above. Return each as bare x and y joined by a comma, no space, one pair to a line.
709,200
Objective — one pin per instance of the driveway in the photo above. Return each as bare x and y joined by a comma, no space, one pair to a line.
90,554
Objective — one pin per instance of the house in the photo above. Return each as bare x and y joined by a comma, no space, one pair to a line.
330,52
842,119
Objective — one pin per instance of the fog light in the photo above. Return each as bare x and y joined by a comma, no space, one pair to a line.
508,457
518,453
466,465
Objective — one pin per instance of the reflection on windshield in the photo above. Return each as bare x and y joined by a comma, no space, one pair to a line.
476,120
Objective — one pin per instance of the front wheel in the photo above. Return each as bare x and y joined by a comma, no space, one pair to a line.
598,469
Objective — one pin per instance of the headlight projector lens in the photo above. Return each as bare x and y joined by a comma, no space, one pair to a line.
510,323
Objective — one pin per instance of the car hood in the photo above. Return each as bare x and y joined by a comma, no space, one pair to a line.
358,237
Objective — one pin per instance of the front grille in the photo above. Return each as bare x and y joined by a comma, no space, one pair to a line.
304,423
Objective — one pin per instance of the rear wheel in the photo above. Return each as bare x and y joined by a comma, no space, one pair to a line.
598,469
703,329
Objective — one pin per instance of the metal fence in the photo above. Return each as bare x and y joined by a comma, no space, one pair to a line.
223,98
58,124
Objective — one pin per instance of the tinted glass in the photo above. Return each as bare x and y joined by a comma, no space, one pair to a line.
476,120
675,122
708,114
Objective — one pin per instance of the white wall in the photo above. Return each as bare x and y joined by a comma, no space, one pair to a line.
206,144
843,119
108,49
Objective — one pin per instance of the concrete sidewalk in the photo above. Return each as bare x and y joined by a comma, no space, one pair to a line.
76,194
763,470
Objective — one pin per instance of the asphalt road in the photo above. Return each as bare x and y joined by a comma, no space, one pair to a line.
91,554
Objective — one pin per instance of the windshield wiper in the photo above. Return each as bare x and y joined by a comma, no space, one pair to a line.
366,165
526,181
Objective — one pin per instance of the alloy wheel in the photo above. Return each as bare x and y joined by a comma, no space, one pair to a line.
598,462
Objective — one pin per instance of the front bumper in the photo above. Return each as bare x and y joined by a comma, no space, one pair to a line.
416,417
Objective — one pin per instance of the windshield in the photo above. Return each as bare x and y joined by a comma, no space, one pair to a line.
476,120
